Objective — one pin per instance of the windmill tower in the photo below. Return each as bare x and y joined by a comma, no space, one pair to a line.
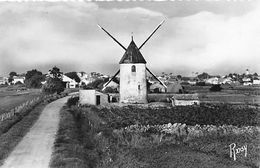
133,85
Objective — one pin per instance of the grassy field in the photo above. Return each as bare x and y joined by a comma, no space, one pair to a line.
10,97
237,95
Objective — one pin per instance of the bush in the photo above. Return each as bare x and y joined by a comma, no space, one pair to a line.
72,101
53,86
110,90
201,84
216,88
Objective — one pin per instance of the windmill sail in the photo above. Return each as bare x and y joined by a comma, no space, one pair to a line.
156,78
110,80
112,37
151,34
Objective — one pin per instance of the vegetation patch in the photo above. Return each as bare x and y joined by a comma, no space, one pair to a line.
191,115
72,101
106,137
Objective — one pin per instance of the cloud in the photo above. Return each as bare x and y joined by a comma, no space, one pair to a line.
210,42
66,34
140,12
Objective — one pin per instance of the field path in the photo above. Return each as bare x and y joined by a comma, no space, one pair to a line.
35,149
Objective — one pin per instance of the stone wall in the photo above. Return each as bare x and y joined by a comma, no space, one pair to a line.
191,132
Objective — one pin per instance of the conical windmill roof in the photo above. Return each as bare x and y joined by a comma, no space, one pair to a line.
132,55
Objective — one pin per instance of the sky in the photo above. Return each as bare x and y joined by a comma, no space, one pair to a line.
218,37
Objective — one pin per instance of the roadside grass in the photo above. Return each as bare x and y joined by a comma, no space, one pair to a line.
14,129
71,148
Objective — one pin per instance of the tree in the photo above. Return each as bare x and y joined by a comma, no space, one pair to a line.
204,75
55,73
54,82
11,76
73,75
179,77
96,84
33,79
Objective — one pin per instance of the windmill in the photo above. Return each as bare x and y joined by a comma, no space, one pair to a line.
133,86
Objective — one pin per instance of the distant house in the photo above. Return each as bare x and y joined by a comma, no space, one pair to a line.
156,87
113,84
92,97
185,99
192,82
17,79
3,80
84,78
213,80
227,80
256,82
70,83
175,88
245,79
247,83
235,83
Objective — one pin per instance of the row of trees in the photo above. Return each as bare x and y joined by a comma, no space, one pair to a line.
34,79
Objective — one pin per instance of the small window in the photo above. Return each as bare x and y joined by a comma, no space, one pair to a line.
139,87
133,68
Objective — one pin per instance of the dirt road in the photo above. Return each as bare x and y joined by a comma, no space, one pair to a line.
35,149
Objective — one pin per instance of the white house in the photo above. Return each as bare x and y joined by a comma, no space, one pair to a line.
191,82
185,99
70,83
156,87
225,80
247,83
18,79
256,82
84,78
213,80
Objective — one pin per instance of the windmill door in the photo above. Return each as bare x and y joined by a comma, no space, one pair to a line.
98,100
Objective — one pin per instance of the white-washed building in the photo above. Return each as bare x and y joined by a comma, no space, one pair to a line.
185,99
256,82
92,97
17,79
70,83
213,80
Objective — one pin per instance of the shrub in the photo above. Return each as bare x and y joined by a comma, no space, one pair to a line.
110,90
216,88
201,84
72,101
